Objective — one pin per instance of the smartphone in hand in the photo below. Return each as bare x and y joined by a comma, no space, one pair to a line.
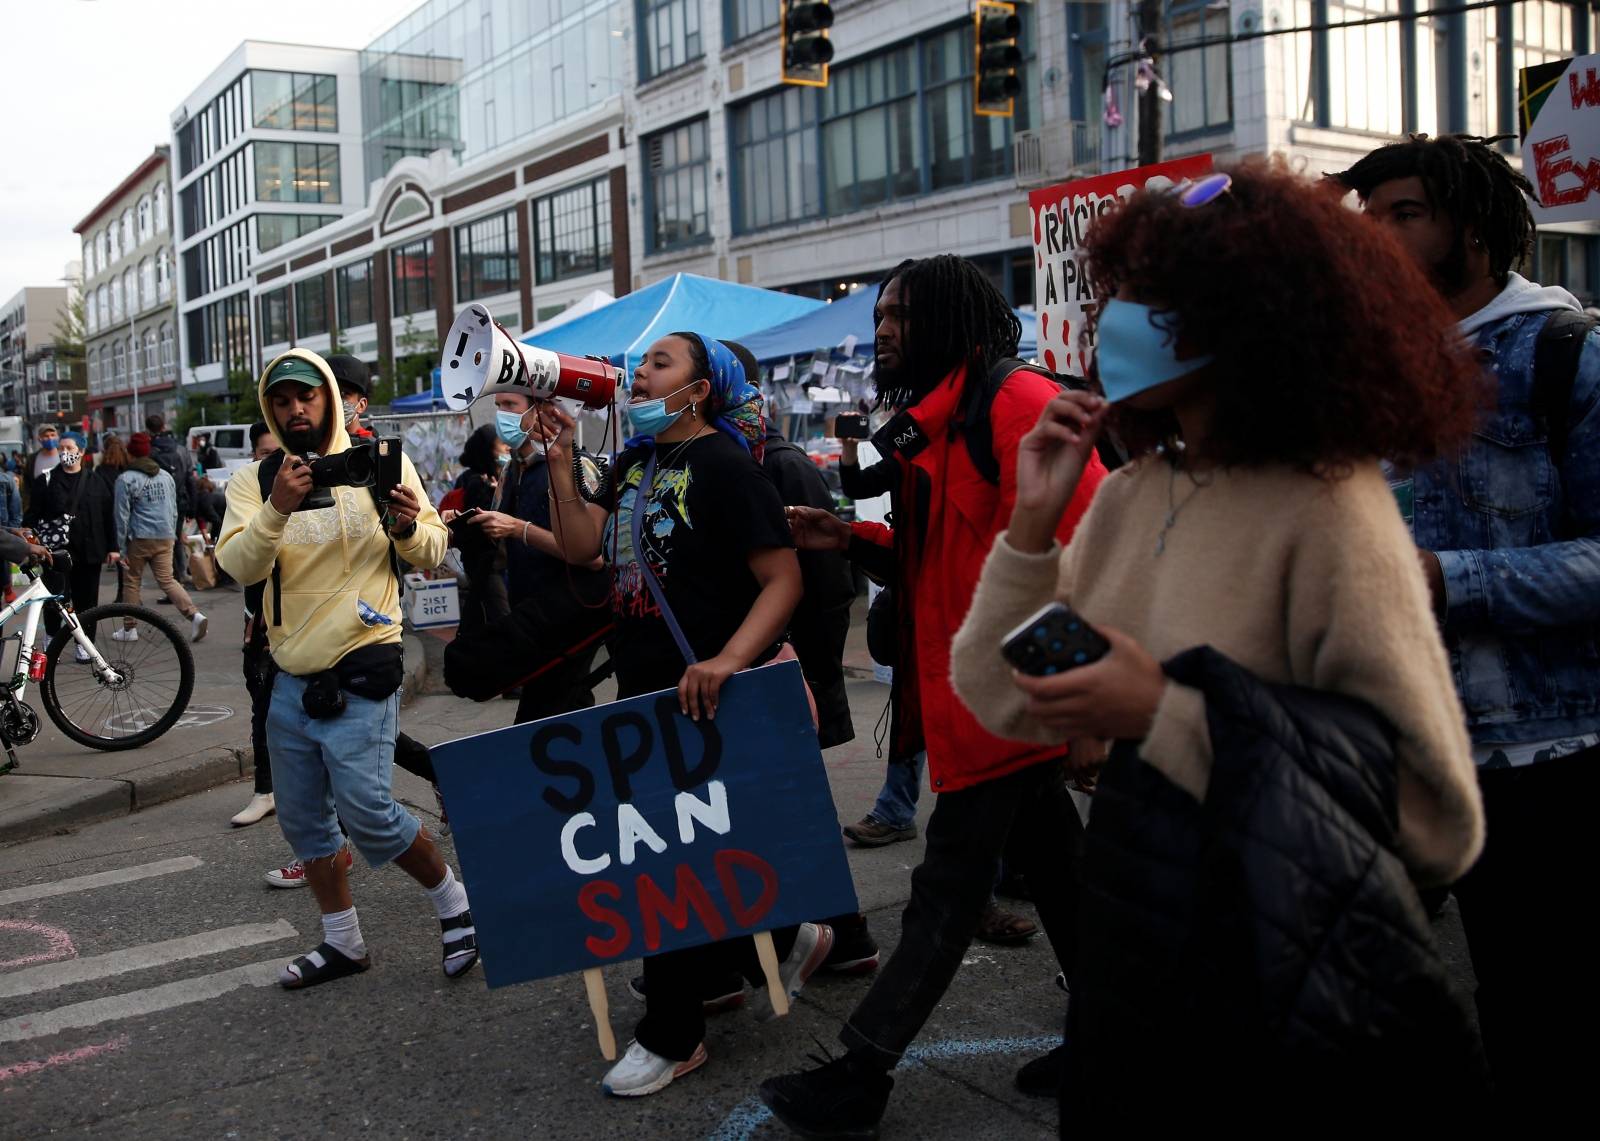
466,516
1053,640
850,426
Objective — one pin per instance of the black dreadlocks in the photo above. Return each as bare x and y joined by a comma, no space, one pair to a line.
957,316
1469,180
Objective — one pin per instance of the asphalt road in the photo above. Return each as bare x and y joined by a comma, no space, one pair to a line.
142,1004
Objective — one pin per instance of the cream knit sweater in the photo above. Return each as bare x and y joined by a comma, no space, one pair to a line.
1300,580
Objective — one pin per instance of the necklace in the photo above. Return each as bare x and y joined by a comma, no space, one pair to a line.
1174,507
677,451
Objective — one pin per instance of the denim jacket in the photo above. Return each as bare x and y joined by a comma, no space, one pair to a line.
1518,539
146,504
10,501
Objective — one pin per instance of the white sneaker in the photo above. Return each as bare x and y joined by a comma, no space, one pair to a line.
126,634
81,655
641,1073
198,625
811,946
261,806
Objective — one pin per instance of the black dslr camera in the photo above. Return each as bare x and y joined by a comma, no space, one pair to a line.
369,463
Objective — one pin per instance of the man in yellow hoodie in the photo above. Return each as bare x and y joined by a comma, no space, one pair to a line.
333,622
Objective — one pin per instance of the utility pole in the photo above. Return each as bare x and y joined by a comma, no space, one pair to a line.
1150,110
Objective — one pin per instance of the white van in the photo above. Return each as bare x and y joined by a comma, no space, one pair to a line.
232,442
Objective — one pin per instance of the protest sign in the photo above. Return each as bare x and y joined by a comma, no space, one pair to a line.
627,830
1061,216
1559,120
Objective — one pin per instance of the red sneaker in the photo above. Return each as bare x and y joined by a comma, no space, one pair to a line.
293,874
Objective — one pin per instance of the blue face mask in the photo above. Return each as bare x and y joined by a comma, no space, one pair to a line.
503,459
508,426
1135,349
651,418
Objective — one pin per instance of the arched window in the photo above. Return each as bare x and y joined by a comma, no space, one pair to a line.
167,354
127,232
163,274
130,291
152,371
145,229
91,312
116,298
161,209
105,304
119,367
147,281
94,372
88,258
114,247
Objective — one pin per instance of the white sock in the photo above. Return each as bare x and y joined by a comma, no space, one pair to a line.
449,897
341,930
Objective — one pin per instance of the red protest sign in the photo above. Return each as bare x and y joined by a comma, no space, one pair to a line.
1061,216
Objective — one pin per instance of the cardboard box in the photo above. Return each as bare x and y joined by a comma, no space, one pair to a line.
432,602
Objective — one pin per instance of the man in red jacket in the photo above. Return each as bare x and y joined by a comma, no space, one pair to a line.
944,335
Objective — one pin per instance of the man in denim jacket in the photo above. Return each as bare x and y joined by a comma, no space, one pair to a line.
1509,536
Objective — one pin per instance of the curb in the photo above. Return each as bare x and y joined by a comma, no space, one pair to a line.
68,803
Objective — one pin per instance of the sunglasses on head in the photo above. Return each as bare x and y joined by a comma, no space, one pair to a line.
1195,192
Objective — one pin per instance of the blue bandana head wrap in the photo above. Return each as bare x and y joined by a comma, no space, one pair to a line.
739,402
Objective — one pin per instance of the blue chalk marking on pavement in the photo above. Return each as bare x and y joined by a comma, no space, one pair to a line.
749,1115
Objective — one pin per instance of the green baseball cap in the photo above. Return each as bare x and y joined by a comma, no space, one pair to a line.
297,369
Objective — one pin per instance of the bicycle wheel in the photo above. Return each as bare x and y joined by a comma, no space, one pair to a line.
155,676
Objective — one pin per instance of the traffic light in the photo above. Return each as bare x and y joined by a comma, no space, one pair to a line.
995,85
806,48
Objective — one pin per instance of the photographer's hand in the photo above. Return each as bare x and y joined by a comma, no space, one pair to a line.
403,508
292,485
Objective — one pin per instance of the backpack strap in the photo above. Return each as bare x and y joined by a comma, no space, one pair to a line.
1556,355
641,504
978,431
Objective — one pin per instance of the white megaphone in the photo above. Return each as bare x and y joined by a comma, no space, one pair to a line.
481,358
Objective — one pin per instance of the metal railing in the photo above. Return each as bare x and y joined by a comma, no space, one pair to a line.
1057,152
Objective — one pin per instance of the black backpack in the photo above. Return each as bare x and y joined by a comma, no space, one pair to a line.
1555,370
256,593
978,432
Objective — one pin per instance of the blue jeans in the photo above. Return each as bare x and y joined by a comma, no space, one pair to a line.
342,762
897,802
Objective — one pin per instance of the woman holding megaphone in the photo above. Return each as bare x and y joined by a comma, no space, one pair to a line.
704,580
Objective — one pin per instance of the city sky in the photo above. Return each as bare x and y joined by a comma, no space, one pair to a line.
90,85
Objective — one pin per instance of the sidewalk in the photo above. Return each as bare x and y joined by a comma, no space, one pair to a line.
60,786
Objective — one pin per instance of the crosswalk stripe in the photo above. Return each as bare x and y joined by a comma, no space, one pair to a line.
137,1003
99,879
52,975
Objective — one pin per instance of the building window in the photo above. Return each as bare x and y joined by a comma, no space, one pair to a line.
965,147
273,230
411,277
294,102
161,209
574,231
275,317
91,312
871,145
88,258
106,314
130,292
125,231
116,244
743,18
671,35
678,204
151,369
354,288
116,298
147,283
94,373
311,307
486,257
167,354
119,364
163,274
1363,66
102,246
146,230
296,172
775,173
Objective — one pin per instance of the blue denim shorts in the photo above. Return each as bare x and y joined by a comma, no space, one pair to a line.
344,763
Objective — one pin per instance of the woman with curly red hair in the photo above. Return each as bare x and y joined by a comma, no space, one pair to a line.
1301,754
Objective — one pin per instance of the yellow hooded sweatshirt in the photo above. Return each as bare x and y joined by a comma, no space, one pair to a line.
331,559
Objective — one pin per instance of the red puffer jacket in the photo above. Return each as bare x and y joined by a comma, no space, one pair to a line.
947,516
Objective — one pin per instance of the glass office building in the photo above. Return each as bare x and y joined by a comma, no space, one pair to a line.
473,76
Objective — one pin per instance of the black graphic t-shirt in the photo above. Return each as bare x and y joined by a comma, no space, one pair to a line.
710,507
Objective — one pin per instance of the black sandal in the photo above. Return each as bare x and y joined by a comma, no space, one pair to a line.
460,950
335,964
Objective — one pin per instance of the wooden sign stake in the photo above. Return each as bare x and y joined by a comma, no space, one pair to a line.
594,982
768,954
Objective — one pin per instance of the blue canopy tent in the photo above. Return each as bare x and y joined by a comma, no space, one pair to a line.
623,330
828,327
421,401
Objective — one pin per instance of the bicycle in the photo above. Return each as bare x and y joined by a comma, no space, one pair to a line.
122,687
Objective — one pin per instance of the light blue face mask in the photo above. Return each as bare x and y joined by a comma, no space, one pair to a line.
503,459
651,418
508,426
1135,349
